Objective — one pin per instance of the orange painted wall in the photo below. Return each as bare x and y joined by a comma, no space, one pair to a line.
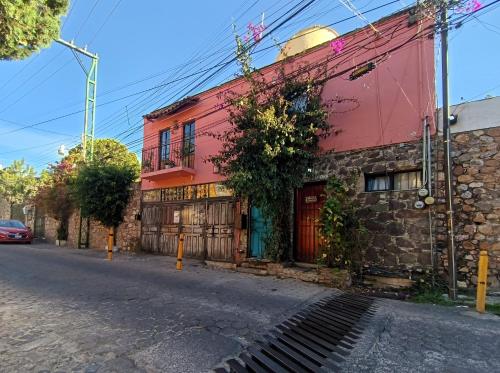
384,107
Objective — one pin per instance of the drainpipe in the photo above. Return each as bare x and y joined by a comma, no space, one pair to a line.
452,265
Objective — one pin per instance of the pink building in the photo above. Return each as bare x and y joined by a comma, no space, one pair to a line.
379,129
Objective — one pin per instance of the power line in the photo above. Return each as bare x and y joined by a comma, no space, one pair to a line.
385,52
80,29
110,14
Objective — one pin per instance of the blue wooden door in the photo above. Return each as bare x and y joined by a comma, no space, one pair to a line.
258,231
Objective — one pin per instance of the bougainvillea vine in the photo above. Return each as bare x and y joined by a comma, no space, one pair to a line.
337,45
469,7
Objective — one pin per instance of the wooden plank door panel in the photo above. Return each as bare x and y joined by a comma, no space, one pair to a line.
309,201
169,235
193,222
150,221
220,230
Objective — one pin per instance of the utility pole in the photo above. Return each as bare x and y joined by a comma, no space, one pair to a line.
452,265
88,121
90,97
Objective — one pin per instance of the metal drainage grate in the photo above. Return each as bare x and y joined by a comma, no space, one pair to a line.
313,340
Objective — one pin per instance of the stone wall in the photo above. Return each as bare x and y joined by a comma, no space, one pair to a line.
476,183
4,209
127,234
399,234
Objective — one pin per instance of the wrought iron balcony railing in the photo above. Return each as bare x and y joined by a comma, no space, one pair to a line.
175,154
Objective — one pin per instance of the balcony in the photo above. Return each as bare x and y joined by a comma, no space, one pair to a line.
174,159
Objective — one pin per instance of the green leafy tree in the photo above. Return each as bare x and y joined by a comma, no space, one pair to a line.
343,236
103,192
28,25
271,143
18,182
106,152
55,196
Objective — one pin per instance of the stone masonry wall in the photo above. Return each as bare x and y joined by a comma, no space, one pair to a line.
127,234
4,209
399,234
476,174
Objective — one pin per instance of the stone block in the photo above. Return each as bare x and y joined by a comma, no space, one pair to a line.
466,195
470,229
462,138
465,179
408,258
395,228
485,229
484,245
468,245
486,138
479,218
458,170
494,132
491,163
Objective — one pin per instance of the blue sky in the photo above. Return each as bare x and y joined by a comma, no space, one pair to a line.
145,44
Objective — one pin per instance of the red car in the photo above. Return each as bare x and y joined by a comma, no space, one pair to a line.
15,231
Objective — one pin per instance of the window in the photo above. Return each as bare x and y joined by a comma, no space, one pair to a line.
378,183
393,181
188,145
407,180
299,103
165,161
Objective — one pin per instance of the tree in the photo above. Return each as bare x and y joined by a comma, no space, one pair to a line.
55,195
271,143
103,192
18,182
28,25
106,152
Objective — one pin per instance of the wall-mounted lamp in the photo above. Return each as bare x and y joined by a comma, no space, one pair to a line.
360,71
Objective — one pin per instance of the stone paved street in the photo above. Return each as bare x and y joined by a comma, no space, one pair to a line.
72,311
419,338
65,310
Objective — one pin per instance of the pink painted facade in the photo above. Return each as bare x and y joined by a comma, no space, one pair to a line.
385,106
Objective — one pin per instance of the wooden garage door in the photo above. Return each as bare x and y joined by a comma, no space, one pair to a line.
220,229
309,201
207,226
150,221
169,229
193,227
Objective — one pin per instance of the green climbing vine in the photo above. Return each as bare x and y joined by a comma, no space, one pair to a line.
276,124
343,235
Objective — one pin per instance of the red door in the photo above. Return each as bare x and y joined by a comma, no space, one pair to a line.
308,201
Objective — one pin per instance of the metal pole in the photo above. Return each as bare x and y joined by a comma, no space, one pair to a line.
88,129
452,265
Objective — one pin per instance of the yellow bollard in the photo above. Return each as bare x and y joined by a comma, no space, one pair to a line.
110,243
180,250
482,276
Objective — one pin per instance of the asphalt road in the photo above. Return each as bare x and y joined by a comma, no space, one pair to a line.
65,310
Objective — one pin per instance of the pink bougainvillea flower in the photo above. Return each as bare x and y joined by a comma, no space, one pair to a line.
255,31
469,7
337,45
